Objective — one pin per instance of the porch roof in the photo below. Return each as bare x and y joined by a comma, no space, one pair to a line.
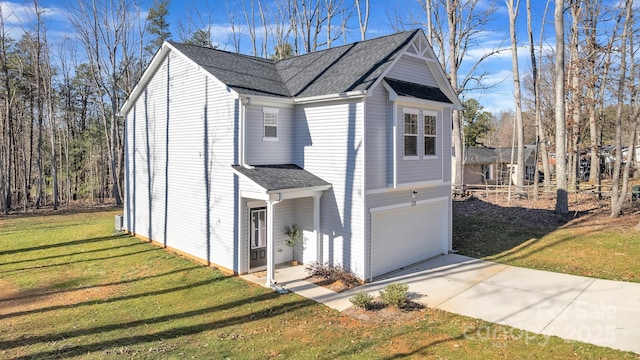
405,88
275,178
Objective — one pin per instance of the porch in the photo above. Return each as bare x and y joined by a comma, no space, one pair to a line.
273,198
292,278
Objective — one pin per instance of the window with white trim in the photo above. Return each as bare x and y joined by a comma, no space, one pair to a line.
410,134
270,124
429,134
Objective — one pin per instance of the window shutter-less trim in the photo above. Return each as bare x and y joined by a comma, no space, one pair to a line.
410,132
270,124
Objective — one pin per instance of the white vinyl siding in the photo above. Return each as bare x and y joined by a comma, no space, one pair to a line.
329,144
428,168
379,140
180,159
261,152
411,69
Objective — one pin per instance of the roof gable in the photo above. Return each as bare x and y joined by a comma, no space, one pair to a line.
342,69
349,68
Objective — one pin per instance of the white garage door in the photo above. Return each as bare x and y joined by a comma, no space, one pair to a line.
404,236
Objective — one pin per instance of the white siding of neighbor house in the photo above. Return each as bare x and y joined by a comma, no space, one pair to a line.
329,144
268,152
412,69
188,161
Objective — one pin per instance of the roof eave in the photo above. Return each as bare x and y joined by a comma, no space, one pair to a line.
156,61
414,100
330,97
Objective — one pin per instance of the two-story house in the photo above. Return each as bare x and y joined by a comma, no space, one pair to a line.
351,144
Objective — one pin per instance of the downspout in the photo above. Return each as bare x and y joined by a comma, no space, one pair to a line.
394,145
271,269
243,126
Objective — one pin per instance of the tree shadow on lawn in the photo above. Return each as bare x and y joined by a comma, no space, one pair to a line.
110,257
40,258
34,294
63,210
485,230
60,244
175,332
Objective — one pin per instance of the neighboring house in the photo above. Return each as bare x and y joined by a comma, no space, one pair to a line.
487,165
351,144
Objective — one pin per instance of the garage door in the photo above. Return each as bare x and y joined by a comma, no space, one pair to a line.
404,236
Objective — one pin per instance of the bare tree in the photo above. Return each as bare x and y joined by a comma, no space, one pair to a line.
574,95
103,27
310,17
250,21
455,27
363,18
541,146
513,8
618,195
562,199
465,21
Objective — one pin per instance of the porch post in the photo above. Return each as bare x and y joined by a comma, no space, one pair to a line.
316,227
271,269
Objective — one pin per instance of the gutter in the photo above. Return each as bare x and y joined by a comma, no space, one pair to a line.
338,96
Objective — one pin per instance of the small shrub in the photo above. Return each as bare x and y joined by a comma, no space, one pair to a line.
333,272
395,294
362,300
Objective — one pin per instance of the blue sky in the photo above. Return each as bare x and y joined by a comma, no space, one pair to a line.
199,13
498,68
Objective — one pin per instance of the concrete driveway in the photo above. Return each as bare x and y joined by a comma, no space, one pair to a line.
601,312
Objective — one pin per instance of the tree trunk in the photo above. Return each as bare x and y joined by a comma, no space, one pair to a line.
520,170
562,200
618,195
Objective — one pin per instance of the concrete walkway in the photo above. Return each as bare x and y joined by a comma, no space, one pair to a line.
601,312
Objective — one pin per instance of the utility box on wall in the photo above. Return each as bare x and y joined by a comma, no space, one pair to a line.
119,223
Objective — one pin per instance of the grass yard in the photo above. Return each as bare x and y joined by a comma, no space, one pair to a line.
589,245
71,289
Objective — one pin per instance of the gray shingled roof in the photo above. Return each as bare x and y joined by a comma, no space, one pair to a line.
331,71
245,74
344,68
281,177
404,88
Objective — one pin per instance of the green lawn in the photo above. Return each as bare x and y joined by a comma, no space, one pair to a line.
71,289
591,246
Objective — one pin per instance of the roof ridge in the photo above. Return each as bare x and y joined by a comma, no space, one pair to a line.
253,57
349,44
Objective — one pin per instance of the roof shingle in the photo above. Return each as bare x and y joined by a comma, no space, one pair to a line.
281,177
405,88
332,71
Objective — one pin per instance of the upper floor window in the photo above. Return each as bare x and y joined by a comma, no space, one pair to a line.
429,135
410,134
270,124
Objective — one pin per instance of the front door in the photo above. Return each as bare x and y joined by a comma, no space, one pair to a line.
258,238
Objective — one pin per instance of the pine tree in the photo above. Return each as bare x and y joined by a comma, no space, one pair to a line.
157,25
